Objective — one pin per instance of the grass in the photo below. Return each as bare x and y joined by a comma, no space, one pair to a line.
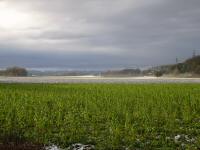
109,116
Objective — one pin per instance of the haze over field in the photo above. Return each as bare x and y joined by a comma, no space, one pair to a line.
97,34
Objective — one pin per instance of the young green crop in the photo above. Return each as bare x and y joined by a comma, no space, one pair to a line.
109,116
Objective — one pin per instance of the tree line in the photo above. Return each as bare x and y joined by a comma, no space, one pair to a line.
14,72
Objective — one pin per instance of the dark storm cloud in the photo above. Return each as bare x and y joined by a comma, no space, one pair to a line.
129,32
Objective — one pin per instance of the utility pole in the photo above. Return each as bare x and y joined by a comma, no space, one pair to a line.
176,60
194,53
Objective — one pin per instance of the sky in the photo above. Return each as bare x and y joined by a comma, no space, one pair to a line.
97,34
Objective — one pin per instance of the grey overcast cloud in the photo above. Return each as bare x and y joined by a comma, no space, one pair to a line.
97,33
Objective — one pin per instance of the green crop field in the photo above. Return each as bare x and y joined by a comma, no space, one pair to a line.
109,116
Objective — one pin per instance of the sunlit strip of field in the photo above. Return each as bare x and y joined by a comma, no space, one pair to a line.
96,79
108,116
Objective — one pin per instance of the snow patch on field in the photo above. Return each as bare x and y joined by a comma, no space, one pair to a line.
77,146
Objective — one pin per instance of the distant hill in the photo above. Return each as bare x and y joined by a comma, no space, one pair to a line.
193,64
124,72
190,66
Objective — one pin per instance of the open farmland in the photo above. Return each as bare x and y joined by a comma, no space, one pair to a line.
108,116
96,79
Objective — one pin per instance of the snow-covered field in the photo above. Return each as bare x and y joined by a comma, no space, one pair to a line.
96,79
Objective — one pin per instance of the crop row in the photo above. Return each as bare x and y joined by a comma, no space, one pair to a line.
109,116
